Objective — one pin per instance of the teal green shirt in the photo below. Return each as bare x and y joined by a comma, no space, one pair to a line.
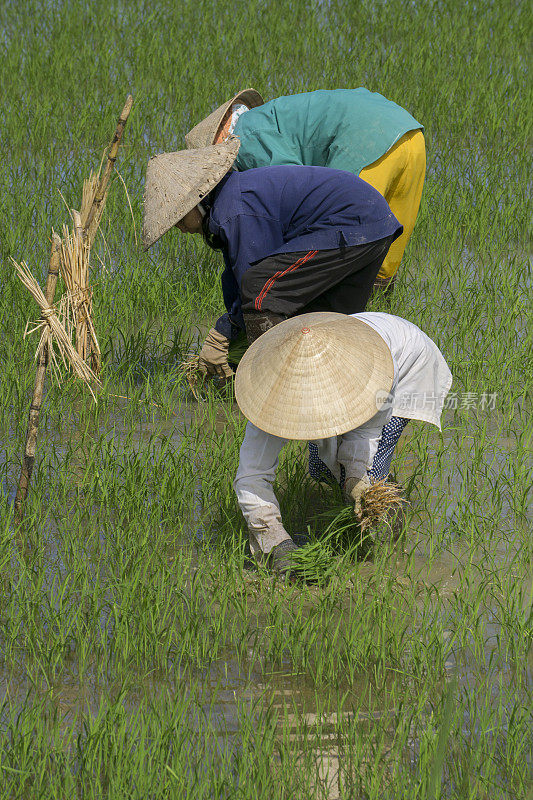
342,128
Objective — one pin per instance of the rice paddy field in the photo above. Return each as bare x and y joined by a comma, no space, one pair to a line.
140,655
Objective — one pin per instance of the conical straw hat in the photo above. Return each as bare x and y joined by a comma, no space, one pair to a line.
176,182
205,132
314,376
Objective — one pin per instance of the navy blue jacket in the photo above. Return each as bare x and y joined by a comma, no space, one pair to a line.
287,209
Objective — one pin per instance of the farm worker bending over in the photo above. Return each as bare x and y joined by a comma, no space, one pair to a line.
294,239
350,129
347,384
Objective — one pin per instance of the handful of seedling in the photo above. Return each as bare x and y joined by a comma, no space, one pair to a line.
320,559
383,500
189,368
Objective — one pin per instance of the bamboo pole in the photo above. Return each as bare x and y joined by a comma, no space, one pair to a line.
37,399
78,228
100,193
91,222
80,291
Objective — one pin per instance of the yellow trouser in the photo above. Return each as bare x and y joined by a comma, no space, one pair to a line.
399,176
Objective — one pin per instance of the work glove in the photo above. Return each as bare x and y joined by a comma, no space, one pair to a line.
213,360
354,489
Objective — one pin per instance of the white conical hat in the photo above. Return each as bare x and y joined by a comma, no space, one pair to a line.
176,182
314,376
205,132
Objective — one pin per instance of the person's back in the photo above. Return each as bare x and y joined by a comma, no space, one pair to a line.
418,363
291,208
294,235
340,128
350,129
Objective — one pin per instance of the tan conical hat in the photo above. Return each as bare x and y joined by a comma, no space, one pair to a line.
205,132
314,376
176,182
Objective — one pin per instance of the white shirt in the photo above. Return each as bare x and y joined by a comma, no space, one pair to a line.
421,382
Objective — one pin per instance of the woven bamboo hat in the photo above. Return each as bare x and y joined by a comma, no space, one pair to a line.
176,182
314,376
205,132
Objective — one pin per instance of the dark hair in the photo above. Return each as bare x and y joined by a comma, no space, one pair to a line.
211,239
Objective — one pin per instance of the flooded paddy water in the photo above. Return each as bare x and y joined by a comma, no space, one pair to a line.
322,667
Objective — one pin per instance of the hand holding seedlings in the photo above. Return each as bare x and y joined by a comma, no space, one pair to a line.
213,358
354,489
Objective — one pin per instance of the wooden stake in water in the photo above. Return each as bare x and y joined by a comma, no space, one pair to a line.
82,294
37,399
99,196
96,185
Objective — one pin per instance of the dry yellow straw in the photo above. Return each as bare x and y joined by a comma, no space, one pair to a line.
54,332
75,272
90,187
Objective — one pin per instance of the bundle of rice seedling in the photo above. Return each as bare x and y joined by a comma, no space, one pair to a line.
54,333
237,348
189,369
320,559
314,562
328,553
75,273
195,379
380,502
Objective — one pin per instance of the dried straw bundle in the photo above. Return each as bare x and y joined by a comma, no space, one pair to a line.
53,332
383,498
75,273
